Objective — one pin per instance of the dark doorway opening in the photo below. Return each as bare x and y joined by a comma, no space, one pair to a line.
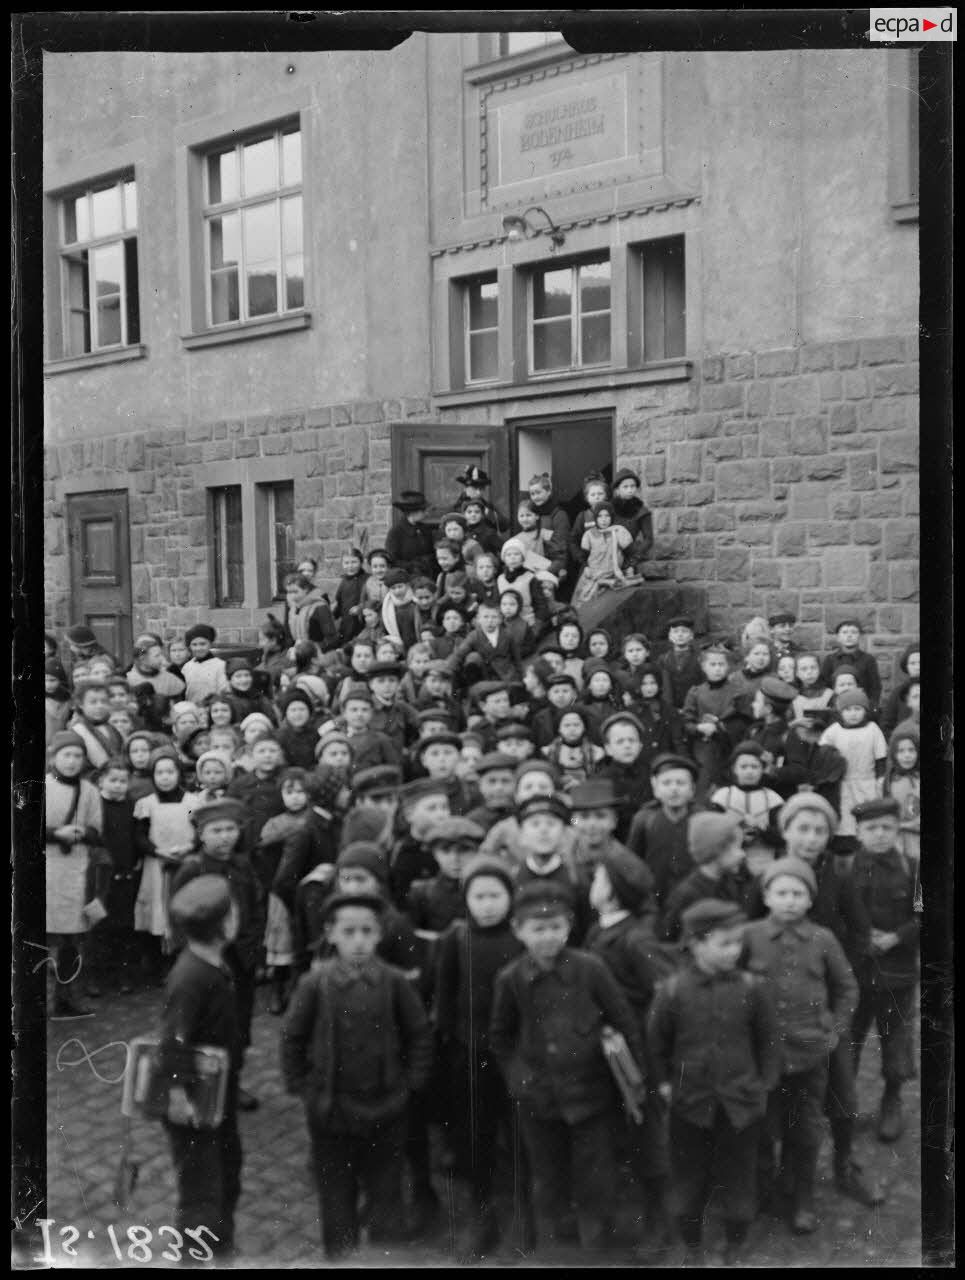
568,447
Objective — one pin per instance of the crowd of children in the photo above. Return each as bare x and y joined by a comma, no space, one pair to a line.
478,856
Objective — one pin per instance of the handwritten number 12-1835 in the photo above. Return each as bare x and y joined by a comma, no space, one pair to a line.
138,1242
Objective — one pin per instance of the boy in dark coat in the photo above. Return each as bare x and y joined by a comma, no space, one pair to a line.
219,828
471,953
659,831
681,661
549,1010
816,995
490,651
625,767
886,881
714,1046
715,843
848,636
113,941
623,939
709,707
356,1044
200,1009
808,824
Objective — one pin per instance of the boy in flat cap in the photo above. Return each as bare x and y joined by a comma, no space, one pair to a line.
495,779
681,661
549,1010
887,885
390,715
470,954
203,673
781,627
356,1044
659,830
200,1008
847,634
709,711
816,994
715,843
808,825
370,747
623,937
624,767
219,827
714,1047
422,803
543,820
433,904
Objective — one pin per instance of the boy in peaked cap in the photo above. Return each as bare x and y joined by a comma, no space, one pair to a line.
808,824
219,826
495,778
681,662
659,830
713,1042
434,904
623,938
356,1046
422,803
549,1010
542,823
200,1008
816,993
887,884
596,808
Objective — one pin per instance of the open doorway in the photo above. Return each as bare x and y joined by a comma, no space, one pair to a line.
567,447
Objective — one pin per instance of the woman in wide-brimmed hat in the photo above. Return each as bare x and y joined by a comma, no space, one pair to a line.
474,480
409,544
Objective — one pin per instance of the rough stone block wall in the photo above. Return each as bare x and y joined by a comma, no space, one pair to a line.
788,479
342,479
780,479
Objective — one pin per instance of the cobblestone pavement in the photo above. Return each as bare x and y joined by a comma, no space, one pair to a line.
277,1216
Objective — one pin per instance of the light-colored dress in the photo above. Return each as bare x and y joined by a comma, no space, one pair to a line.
170,828
861,747
66,872
201,679
604,548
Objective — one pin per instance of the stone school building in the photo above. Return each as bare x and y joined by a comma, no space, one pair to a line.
279,289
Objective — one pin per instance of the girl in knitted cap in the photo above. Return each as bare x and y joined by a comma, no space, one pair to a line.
863,746
517,577
163,836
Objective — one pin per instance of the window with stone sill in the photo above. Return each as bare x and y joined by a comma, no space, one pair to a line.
480,299
569,316
98,268
226,547
253,238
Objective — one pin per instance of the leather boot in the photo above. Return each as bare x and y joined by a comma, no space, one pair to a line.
848,1177
890,1121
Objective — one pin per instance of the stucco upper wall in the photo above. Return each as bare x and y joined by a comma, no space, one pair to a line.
798,240
365,230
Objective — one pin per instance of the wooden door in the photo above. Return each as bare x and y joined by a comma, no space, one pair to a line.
100,568
428,456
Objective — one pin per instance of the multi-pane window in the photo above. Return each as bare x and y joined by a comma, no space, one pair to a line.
227,550
281,534
253,227
570,316
481,302
99,268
